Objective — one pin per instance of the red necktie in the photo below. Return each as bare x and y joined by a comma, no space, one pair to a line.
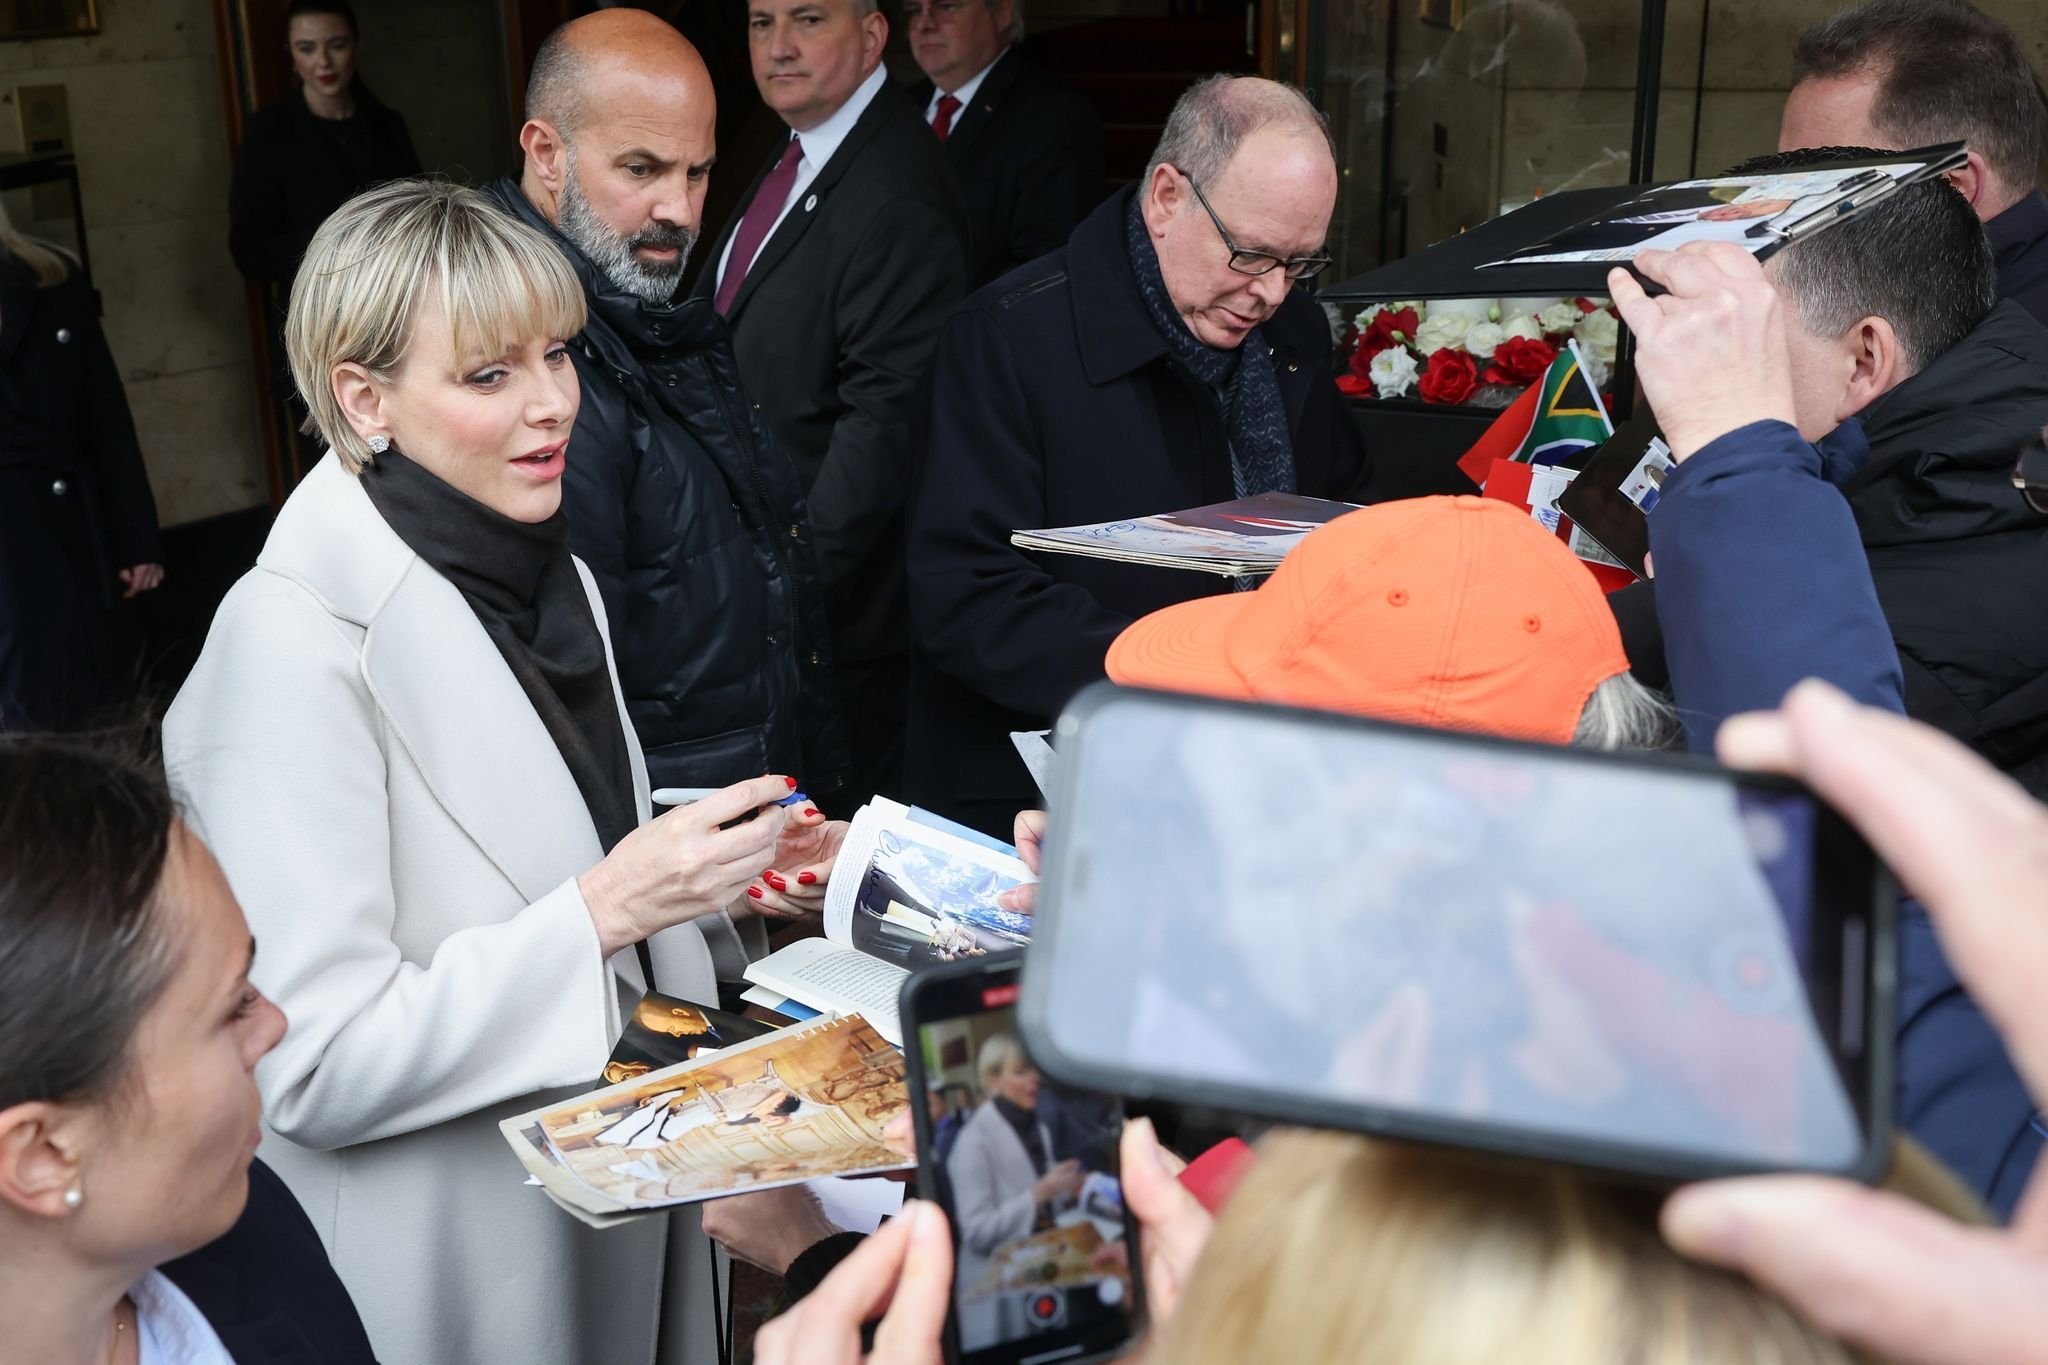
942,122
755,223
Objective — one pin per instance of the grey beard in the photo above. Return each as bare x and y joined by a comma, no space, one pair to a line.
613,254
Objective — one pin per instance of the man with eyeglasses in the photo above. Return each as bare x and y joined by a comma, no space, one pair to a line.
1025,147
1162,359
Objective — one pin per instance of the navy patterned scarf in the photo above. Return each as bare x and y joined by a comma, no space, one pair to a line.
1254,415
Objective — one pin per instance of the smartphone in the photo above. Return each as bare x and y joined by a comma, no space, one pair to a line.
1640,963
1045,1263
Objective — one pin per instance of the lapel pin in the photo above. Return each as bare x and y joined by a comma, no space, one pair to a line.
810,203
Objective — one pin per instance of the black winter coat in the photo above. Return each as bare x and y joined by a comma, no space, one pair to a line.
75,505
1959,559
693,523
293,170
1027,152
1053,402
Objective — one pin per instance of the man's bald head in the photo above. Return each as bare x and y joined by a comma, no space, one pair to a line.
619,141
588,56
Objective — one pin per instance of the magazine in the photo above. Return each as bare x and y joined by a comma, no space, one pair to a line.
800,1104
1757,212
1242,539
664,1031
909,889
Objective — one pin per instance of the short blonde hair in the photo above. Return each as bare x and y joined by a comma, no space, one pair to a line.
501,283
1456,1259
999,1051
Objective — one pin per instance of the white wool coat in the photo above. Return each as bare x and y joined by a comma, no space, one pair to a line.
405,840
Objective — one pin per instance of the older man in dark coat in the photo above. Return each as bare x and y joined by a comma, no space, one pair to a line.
1162,359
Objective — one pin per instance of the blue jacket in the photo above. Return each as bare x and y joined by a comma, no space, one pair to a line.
1762,581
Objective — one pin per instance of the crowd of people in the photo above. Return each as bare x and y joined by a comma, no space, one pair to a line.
576,532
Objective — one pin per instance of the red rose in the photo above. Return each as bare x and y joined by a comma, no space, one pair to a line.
1449,378
1355,386
1388,328
1520,360
1361,361
1587,305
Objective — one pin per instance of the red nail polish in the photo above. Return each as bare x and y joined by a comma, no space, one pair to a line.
810,812
777,882
806,878
791,781
755,892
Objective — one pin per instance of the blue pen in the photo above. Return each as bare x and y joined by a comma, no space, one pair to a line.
683,796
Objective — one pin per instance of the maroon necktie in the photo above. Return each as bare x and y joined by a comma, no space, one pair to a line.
942,122
755,223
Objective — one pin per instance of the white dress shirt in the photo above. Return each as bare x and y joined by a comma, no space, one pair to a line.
965,94
819,145
170,1329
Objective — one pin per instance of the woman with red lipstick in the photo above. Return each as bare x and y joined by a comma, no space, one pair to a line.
306,155
404,740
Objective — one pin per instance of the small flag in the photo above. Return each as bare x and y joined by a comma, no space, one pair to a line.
1555,418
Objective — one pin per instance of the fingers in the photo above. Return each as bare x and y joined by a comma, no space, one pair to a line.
909,1334
730,803
1022,900
1638,310
899,1135
1176,1227
1028,835
1869,1266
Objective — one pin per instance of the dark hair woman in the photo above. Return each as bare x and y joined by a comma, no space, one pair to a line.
303,157
129,1035
78,525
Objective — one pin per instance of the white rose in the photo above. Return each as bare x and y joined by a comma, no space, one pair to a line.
1364,319
1472,310
1441,331
1523,325
1597,334
1595,369
1561,316
1393,372
1482,339
1527,308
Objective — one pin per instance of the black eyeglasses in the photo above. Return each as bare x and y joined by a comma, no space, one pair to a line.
1257,262
2030,474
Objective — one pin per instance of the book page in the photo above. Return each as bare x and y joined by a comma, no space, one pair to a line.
826,976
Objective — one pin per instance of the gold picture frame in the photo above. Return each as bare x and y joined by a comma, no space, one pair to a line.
1448,14
23,19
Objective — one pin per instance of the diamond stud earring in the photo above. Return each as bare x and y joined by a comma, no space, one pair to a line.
379,444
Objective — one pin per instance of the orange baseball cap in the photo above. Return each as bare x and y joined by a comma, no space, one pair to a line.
1462,612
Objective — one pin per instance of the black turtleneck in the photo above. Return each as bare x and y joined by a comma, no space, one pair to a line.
519,580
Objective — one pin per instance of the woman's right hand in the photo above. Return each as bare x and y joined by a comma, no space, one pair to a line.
682,866
1030,840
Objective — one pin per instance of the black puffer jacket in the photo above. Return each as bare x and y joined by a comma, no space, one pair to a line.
694,525
1959,558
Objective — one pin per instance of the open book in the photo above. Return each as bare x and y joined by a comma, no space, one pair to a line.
1241,539
800,1104
909,888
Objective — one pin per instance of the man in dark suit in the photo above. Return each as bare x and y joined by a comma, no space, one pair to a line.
1025,147
1162,359
846,256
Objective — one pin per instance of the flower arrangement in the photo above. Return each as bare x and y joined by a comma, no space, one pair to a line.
1449,350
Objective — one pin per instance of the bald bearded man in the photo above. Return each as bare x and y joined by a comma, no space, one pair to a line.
689,517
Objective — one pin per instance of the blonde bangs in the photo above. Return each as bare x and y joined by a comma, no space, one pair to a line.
504,285
501,283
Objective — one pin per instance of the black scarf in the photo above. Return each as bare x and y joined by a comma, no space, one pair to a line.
518,579
1024,1123
1254,414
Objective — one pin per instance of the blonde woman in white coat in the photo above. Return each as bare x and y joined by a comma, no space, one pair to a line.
404,742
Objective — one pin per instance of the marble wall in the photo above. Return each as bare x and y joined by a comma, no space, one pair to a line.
153,161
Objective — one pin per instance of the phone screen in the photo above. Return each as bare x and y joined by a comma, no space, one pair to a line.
1648,965
1027,1173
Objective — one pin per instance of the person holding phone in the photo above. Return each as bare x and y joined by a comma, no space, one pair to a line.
405,741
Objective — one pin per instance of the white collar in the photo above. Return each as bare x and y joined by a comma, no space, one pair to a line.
170,1329
965,94
822,141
